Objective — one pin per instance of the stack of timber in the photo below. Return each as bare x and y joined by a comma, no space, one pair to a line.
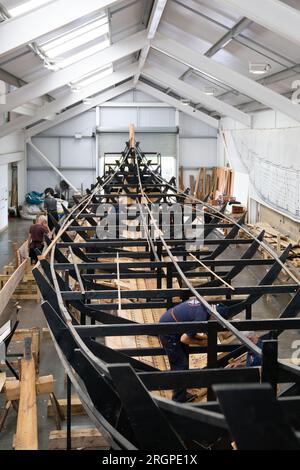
214,181
277,241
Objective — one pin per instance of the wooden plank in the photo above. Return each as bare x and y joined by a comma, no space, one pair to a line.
10,287
192,184
202,192
76,407
44,386
27,427
181,185
197,185
46,334
2,380
82,438
132,136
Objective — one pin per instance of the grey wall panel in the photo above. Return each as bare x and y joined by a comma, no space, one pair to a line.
40,180
50,147
135,96
140,117
78,153
198,152
84,123
141,97
81,177
127,97
118,117
156,117
193,127
162,143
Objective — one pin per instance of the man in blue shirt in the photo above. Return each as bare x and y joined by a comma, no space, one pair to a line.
177,346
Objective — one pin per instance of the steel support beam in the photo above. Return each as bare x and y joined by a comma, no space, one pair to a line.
58,79
274,15
156,14
189,91
178,105
223,41
234,79
68,100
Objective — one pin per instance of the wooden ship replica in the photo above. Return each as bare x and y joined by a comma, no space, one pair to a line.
103,298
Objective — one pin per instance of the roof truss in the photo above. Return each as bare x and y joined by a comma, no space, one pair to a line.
226,75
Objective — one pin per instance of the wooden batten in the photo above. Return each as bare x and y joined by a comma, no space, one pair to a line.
27,425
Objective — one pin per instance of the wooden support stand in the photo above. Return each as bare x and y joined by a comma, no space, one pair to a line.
44,386
82,438
76,407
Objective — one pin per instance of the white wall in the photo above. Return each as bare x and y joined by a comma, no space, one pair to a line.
12,149
75,158
270,154
198,146
3,197
157,130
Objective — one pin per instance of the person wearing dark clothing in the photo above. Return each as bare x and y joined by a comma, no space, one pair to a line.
177,346
50,205
36,237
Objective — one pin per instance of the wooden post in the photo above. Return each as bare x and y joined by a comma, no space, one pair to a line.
131,136
192,184
27,427
278,242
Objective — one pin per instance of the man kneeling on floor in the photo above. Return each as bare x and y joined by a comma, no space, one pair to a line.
177,346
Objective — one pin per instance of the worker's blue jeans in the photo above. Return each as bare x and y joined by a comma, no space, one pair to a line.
178,355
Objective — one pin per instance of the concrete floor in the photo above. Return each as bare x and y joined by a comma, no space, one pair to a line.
31,315
17,232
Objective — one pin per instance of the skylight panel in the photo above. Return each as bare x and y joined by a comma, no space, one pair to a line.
26,6
76,38
83,54
76,44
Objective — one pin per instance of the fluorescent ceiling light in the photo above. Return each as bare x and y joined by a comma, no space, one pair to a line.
26,6
259,69
209,91
227,42
91,78
185,101
76,38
